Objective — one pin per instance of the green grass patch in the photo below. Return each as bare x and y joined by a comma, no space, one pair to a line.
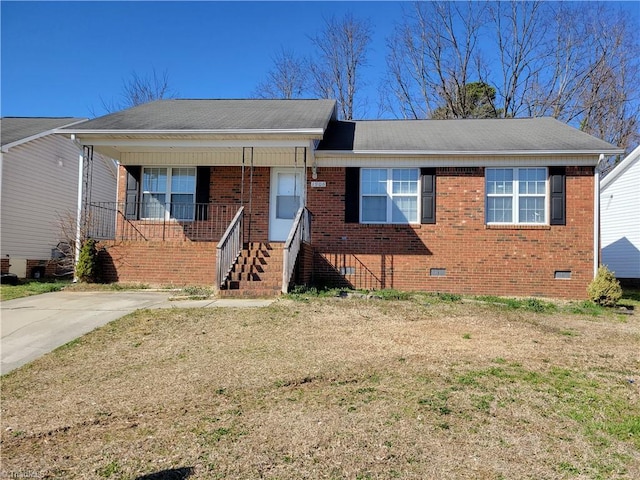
599,410
586,307
110,470
304,293
31,287
391,294
527,304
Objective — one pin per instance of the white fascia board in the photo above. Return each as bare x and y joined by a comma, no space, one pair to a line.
467,160
5,148
178,133
173,143
619,169
439,153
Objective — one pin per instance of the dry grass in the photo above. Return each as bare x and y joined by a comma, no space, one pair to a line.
333,388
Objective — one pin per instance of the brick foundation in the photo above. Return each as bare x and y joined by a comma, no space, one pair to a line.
158,263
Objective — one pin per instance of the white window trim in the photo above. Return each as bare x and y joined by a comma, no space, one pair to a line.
168,193
515,196
388,195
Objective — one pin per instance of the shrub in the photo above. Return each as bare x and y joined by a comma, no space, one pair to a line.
605,289
87,267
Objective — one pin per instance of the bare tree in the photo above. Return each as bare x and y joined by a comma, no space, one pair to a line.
554,90
138,89
287,79
519,28
432,56
342,48
610,101
575,62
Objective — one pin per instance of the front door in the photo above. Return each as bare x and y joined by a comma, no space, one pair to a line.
287,196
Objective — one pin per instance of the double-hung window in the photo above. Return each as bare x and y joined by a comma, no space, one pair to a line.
389,195
516,195
168,193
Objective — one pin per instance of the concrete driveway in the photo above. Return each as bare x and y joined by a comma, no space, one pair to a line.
33,326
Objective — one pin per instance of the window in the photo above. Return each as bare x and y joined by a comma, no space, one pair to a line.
389,195
516,195
168,193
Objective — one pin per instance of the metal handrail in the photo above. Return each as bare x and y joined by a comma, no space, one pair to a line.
300,232
172,221
229,248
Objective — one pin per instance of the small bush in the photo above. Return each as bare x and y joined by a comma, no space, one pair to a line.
87,267
605,289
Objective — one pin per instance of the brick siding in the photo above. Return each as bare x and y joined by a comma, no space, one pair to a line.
478,259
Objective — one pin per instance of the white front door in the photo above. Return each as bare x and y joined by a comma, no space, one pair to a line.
287,196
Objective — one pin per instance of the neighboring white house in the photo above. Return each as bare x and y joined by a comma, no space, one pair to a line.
39,189
620,218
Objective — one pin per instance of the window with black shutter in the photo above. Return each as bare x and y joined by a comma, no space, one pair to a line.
203,179
558,186
428,180
352,195
132,197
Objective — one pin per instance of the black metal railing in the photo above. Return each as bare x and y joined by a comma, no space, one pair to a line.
300,232
158,221
229,248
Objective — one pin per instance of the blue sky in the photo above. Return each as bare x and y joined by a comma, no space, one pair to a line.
62,58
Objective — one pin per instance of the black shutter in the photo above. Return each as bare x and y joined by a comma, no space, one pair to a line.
203,178
558,186
428,180
352,195
132,198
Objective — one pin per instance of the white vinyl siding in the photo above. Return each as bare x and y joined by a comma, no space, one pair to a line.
231,156
40,194
620,221
516,195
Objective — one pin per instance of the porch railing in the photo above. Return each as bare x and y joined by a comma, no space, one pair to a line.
157,221
229,248
300,232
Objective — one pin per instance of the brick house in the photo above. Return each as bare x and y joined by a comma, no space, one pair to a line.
252,196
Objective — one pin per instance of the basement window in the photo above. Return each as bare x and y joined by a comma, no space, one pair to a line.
562,274
438,272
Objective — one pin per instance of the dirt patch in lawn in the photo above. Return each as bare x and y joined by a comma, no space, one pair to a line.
333,388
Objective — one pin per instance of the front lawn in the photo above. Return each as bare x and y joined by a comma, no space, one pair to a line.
336,388
31,287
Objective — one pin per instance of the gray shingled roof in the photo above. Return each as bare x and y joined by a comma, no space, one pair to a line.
471,135
13,129
177,115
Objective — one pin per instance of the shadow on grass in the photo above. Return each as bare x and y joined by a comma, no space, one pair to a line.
171,474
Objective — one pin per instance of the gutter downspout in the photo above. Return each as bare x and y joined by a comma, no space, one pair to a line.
79,206
596,217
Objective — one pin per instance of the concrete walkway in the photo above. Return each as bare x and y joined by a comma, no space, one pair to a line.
33,326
